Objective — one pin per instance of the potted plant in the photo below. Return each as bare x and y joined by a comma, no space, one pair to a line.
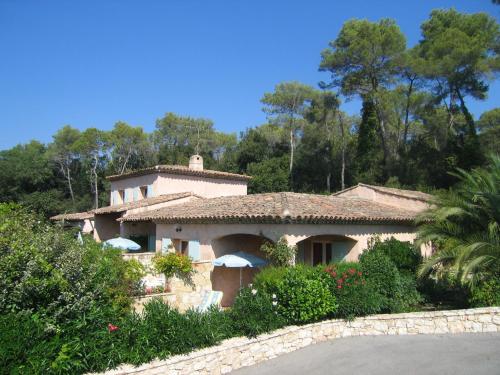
173,264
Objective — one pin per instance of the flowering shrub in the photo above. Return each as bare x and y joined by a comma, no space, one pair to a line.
355,297
254,312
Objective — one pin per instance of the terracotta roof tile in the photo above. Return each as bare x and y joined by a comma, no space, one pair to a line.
141,203
181,170
411,194
277,208
76,216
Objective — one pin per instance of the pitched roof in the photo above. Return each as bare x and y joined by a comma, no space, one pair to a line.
411,194
141,203
277,208
181,170
76,216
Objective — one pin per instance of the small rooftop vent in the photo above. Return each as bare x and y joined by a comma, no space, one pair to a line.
196,162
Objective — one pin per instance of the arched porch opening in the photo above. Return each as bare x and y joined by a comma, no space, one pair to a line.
227,280
325,249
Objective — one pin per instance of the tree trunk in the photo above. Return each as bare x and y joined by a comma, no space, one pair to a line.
342,172
70,185
96,189
407,114
127,158
468,117
292,145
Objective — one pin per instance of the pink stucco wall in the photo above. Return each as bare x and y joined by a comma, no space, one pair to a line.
106,227
294,233
202,186
164,183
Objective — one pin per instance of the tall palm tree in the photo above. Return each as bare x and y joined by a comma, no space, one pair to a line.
463,223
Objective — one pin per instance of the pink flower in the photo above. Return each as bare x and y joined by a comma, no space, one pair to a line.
112,328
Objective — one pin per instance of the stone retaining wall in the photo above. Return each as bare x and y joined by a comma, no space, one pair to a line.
239,352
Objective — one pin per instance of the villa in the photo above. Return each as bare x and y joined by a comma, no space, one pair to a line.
206,214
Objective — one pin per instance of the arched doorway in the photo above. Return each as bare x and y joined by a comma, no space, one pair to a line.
324,249
227,280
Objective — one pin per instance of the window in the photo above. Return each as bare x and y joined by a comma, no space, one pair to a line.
184,250
121,194
144,192
321,253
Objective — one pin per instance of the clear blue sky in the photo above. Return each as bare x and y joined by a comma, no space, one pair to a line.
92,63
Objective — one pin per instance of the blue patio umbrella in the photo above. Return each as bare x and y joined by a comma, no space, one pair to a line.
122,243
239,260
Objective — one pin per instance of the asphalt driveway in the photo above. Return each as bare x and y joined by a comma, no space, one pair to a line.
421,354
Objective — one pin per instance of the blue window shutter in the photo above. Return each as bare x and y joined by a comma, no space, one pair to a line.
340,250
150,192
136,194
165,244
151,242
126,198
194,250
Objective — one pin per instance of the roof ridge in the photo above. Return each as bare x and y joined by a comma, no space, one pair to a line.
182,170
285,212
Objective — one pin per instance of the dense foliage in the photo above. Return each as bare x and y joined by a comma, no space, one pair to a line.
405,256
355,297
413,129
94,330
280,253
301,294
254,312
44,269
464,227
173,264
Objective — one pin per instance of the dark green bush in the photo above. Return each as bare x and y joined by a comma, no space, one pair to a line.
254,312
404,255
269,277
302,292
355,297
31,346
486,293
397,293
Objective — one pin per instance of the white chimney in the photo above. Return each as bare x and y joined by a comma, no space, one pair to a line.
196,162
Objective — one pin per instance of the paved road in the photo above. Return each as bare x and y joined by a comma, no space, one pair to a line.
424,354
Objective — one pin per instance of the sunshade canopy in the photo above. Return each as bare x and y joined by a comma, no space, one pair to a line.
239,259
122,243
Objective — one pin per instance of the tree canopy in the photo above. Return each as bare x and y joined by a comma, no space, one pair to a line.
414,127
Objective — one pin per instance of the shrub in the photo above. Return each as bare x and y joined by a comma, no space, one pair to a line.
254,312
355,297
404,255
173,264
269,277
397,293
280,254
303,296
43,269
486,293
99,340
